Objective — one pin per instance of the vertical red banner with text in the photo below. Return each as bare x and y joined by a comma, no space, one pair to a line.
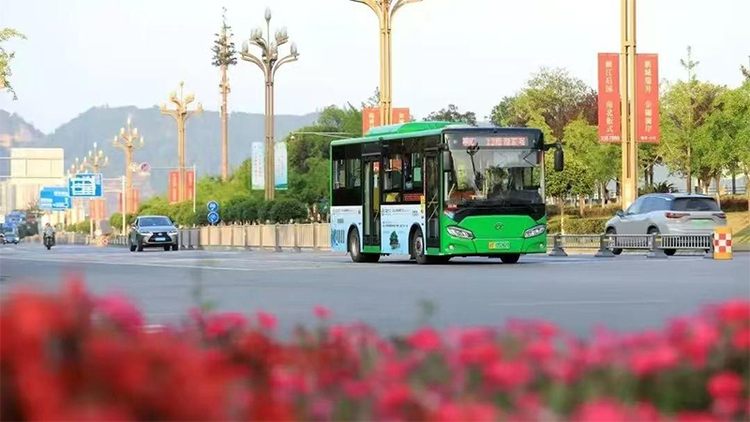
370,119
647,98
189,185
174,183
401,115
609,98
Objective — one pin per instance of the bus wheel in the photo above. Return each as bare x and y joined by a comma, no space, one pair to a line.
356,251
418,249
510,258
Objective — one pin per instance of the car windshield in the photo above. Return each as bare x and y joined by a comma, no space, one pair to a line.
495,175
154,221
695,204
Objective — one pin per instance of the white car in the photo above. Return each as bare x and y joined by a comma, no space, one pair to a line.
667,213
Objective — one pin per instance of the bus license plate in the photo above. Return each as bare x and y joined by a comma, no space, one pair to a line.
159,239
499,245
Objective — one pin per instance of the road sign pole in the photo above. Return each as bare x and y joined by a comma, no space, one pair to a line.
124,205
91,218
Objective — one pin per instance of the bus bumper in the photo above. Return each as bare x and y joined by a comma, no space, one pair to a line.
537,244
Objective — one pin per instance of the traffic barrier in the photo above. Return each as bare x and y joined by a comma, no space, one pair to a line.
656,251
604,251
722,246
557,248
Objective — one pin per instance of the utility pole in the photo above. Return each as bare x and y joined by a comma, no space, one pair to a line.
629,178
385,10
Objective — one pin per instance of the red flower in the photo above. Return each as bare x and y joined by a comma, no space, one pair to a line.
601,411
508,375
221,324
266,320
322,312
697,417
540,350
741,340
727,406
470,412
646,412
735,312
653,361
121,311
425,339
725,385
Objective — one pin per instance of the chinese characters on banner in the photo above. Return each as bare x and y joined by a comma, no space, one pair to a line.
647,97
280,167
97,209
609,98
371,118
257,155
132,199
174,179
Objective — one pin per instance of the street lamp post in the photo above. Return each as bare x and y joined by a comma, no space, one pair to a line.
95,160
180,114
385,10
128,140
269,63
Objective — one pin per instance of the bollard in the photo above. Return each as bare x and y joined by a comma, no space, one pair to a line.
656,250
722,243
557,249
604,251
277,238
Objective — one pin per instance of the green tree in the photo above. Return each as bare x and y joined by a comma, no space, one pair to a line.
223,49
287,209
115,220
6,57
451,114
685,109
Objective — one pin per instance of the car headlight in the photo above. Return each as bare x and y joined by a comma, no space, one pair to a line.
173,231
534,231
144,232
459,232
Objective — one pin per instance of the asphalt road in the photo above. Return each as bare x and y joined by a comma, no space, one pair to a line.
577,292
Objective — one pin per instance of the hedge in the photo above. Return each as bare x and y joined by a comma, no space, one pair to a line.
579,225
734,203
596,210
73,356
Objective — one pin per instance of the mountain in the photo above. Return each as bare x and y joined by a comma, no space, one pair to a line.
203,139
15,132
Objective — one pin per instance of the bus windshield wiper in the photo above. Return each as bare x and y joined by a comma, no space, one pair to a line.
472,150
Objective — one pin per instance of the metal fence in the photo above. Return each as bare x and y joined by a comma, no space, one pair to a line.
608,244
276,237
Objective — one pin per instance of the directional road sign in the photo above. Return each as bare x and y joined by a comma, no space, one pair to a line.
213,206
213,217
54,198
85,185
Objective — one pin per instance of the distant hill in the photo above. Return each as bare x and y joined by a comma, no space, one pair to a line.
203,144
15,132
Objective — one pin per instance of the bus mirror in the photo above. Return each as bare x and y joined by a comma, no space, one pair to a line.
447,161
559,159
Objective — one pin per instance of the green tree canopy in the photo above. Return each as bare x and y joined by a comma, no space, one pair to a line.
451,114
6,57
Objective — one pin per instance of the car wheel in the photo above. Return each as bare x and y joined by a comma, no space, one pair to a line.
670,252
139,248
175,247
510,258
167,247
131,246
610,232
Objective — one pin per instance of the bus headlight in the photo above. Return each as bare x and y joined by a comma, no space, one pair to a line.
459,232
534,231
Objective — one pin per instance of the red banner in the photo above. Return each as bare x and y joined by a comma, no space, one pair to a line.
609,98
98,209
371,118
174,179
647,98
133,199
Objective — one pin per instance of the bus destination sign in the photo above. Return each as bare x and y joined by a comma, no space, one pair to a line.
492,141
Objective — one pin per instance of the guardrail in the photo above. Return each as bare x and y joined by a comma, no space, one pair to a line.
277,237
610,245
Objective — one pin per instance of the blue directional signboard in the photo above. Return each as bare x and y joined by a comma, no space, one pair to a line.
213,206
85,185
54,198
213,217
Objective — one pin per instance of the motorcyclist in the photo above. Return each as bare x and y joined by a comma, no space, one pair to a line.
49,231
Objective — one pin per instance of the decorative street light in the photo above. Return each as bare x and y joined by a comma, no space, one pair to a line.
180,115
385,9
269,63
128,140
95,160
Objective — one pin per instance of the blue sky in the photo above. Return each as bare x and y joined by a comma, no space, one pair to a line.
84,53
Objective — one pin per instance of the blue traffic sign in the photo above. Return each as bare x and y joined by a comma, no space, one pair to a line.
54,198
85,185
213,206
213,217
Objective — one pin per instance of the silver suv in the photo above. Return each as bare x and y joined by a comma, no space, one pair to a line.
153,231
666,213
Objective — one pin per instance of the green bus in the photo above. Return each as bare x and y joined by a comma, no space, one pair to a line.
435,190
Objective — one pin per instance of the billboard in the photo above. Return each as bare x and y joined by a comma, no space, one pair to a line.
609,99
647,98
257,155
371,117
280,166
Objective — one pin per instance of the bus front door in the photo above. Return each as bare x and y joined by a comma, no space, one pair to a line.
371,217
432,200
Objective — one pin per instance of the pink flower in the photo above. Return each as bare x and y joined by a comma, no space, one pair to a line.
727,406
697,417
321,312
356,389
120,311
508,375
741,340
649,362
546,329
425,339
266,320
221,324
474,412
540,350
601,411
725,385
646,412
735,312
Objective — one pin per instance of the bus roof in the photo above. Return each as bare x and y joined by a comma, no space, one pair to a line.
416,130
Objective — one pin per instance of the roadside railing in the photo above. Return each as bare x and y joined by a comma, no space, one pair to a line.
609,245
277,237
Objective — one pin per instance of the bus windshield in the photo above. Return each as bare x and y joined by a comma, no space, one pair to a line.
482,173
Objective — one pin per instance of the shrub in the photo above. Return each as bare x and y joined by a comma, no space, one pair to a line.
98,361
595,210
578,225
734,203
287,209
240,210
115,220
264,211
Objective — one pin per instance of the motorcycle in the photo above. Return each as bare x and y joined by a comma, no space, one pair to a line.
49,241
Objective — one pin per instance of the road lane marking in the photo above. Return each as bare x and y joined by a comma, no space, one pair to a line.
585,302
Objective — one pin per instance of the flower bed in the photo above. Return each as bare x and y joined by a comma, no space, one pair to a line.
71,356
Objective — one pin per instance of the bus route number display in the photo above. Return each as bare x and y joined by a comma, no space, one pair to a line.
495,141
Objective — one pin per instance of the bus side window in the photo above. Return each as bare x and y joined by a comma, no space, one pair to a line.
354,173
339,174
